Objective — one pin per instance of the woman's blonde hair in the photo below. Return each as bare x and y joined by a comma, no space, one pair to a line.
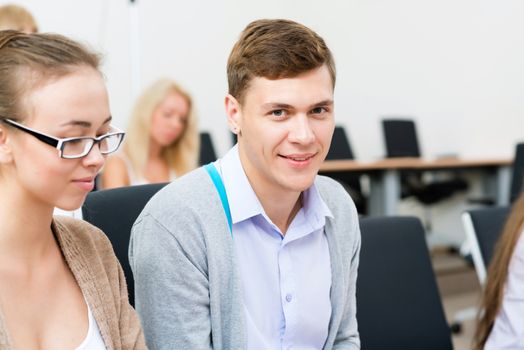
182,154
29,60
498,273
16,17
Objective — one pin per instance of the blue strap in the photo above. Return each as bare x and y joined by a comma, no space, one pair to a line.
217,181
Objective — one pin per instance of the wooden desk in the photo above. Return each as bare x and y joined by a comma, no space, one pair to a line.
385,176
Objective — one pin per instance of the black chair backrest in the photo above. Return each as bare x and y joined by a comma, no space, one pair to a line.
340,148
488,224
518,172
398,302
114,211
207,150
234,139
400,138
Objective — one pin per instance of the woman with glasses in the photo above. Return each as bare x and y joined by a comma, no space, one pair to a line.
161,141
61,286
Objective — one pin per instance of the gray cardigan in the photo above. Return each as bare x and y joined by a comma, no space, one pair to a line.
187,285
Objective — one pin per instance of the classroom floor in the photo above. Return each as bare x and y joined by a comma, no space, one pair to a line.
460,290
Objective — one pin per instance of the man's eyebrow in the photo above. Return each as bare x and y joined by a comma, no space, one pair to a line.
323,103
276,105
83,123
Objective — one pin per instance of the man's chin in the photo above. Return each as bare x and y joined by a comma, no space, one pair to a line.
300,184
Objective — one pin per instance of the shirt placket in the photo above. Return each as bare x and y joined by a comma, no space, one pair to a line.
288,295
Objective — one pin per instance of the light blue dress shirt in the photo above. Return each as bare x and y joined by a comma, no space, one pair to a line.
286,280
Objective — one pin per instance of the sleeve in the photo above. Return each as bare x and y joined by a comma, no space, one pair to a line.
347,335
132,337
171,286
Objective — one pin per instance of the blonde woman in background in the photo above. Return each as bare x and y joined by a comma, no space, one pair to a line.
162,139
17,18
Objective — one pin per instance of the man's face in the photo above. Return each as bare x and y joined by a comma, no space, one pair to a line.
285,127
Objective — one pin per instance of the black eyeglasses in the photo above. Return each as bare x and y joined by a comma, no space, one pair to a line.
76,147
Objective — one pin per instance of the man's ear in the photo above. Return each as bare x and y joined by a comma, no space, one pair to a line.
6,154
234,114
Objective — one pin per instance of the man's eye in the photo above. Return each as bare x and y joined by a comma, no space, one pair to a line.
278,113
318,110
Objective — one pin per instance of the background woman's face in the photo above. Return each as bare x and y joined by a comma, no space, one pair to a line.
169,119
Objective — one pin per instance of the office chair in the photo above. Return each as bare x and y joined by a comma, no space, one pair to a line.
207,150
398,302
400,137
114,211
518,172
401,141
517,176
483,228
341,149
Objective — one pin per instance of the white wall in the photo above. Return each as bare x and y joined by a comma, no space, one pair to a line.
457,66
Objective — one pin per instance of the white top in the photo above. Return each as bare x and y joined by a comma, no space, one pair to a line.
77,214
93,339
508,329
138,179
286,279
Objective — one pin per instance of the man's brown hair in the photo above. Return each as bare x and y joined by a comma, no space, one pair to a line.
275,49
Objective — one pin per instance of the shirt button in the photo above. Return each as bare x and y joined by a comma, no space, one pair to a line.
289,297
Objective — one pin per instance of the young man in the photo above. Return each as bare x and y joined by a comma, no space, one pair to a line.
281,273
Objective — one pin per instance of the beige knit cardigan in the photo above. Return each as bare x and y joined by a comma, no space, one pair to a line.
90,257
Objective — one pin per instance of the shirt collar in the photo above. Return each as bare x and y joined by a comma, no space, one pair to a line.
243,202
313,204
